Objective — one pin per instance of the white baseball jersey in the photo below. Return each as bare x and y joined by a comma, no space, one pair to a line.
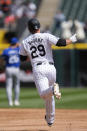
38,47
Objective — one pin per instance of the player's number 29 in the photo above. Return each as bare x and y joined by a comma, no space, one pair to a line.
40,49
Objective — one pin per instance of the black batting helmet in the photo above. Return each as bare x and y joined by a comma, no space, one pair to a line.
33,25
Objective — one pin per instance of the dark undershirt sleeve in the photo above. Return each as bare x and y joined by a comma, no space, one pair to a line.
61,42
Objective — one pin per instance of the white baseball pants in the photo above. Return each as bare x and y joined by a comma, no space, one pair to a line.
45,76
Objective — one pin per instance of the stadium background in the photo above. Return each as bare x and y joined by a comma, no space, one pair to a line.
70,61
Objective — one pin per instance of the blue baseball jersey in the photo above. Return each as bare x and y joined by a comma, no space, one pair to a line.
12,57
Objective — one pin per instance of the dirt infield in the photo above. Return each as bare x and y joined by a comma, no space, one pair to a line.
33,120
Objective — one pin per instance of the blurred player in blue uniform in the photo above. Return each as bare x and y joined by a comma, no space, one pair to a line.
12,59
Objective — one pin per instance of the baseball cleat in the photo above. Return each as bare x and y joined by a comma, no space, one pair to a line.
56,91
10,103
16,103
49,124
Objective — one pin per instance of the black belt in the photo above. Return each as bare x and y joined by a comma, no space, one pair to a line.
40,63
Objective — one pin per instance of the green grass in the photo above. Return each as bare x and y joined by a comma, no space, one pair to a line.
72,98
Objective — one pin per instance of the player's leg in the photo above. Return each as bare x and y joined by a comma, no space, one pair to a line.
16,88
9,83
50,110
45,77
41,74
46,92
43,87
50,103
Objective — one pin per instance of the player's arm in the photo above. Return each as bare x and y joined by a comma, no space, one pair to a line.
22,53
64,42
72,39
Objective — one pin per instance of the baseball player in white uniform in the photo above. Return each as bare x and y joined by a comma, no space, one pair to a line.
37,47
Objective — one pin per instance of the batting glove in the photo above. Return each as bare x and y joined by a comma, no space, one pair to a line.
73,38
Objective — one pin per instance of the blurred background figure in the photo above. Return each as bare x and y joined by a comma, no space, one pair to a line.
12,59
79,27
10,22
15,13
59,17
31,10
66,29
5,6
85,28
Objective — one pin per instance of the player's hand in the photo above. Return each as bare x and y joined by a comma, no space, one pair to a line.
73,38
